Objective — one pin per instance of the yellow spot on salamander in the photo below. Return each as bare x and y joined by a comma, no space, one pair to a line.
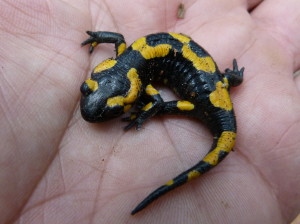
170,182
147,107
132,94
92,84
182,38
127,107
226,83
121,48
193,174
220,97
149,52
105,65
200,63
114,101
135,86
150,90
132,116
185,105
94,44
224,144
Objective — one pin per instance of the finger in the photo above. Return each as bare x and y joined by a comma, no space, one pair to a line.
281,19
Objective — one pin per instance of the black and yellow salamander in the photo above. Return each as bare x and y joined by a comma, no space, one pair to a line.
181,64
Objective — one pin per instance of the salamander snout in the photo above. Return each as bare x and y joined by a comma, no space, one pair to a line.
98,102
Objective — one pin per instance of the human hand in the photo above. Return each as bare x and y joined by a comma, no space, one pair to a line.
56,168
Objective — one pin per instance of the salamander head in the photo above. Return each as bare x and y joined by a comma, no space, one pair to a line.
102,99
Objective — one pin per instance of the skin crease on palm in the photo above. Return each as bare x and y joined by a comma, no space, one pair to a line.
57,168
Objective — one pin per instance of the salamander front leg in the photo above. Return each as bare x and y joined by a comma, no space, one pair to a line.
149,110
105,37
177,107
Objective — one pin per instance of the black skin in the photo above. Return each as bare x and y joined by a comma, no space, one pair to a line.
187,81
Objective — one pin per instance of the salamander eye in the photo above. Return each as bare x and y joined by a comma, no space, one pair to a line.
85,90
88,87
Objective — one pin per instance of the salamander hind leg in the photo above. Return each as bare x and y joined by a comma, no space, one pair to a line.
234,76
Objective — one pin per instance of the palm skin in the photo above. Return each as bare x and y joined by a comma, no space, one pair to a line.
56,168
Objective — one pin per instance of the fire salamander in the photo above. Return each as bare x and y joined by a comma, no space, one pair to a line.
177,61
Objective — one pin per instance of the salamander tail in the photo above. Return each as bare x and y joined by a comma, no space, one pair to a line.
221,147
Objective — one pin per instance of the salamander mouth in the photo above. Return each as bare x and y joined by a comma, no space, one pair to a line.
95,111
90,108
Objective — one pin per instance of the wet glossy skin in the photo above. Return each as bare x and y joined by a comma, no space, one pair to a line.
177,61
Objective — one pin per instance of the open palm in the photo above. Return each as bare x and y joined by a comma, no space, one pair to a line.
56,168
